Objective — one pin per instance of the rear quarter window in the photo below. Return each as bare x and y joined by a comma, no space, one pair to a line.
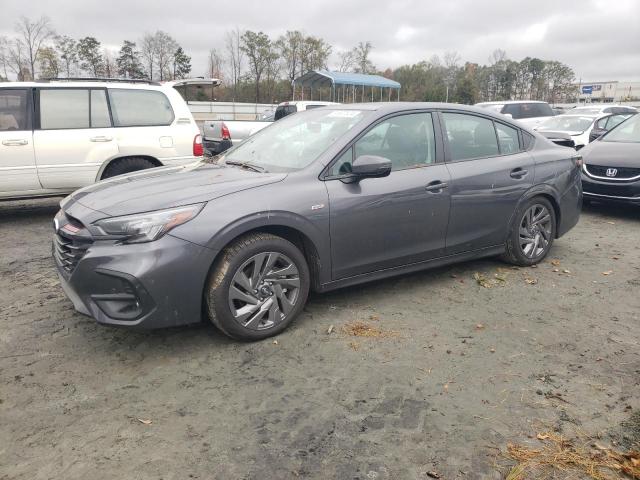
140,108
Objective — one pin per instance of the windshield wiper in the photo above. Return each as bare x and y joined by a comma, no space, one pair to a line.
250,166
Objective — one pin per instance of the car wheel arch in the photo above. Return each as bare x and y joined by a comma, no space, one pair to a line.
111,161
303,237
544,191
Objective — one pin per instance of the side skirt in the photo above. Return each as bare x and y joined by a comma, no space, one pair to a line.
413,267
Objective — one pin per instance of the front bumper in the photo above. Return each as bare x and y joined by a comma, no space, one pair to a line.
611,191
147,285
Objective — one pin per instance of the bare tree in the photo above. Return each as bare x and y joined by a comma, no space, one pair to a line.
166,47
4,57
215,65
290,47
148,51
67,49
347,61
109,64
361,55
31,39
235,60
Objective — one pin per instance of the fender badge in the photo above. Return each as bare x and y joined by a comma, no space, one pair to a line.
317,207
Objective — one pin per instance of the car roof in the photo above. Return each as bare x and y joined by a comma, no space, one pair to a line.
84,84
510,102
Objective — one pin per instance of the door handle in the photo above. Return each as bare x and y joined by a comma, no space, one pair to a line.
518,173
101,139
436,187
15,142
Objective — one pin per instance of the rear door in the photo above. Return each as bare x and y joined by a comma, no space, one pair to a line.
490,171
17,161
73,136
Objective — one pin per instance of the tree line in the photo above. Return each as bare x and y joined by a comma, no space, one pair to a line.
255,67
36,51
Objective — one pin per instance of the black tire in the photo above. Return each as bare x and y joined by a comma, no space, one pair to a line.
515,252
127,165
232,261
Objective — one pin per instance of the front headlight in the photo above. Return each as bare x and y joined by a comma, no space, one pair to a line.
150,226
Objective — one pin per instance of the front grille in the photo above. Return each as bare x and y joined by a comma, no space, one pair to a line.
621,173
68,250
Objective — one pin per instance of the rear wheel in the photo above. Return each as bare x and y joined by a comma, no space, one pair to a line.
127,165
258,287
532,233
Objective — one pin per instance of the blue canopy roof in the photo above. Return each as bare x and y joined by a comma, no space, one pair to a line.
318,77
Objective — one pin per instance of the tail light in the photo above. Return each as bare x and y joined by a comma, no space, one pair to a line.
198,150
224,132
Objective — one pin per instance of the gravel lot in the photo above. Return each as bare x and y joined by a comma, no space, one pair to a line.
455,373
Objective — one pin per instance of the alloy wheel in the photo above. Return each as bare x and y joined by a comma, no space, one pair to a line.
535,231
264,290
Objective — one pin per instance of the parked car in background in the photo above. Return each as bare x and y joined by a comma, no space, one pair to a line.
528,112
322,199
576,127
57,136
220,135
287,108
606,123
611,170
604,109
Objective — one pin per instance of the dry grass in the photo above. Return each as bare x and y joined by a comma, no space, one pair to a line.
363,329
561,458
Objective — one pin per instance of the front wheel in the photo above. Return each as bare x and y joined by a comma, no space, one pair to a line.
258,287
532,233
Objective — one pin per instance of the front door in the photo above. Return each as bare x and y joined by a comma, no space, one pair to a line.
380,223
490,172
17,162
74,137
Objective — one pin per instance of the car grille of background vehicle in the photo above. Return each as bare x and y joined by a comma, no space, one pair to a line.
621,174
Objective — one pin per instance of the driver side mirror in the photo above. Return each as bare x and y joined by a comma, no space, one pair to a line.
369,166
508,115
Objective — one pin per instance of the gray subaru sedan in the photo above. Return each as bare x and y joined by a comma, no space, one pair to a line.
322,199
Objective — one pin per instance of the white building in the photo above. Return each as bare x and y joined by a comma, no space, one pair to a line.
608,92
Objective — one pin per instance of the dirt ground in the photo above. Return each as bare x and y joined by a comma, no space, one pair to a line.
457,371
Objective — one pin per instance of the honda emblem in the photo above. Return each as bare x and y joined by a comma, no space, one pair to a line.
612,172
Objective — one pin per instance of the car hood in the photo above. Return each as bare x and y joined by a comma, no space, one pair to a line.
612,154
531,121
167,187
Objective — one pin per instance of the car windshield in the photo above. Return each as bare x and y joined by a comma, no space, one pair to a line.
295,141
627,131
567,123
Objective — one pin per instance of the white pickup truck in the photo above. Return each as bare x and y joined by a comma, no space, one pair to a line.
220,135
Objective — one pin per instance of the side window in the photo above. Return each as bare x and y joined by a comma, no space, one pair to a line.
527,140
64,108
407,140
140,108
507,139
14,110
99,109
470,136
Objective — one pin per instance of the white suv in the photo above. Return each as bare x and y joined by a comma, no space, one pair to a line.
57,136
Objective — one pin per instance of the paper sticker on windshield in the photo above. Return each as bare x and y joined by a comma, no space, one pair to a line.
344,113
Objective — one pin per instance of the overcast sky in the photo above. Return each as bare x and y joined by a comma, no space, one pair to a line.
599,39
